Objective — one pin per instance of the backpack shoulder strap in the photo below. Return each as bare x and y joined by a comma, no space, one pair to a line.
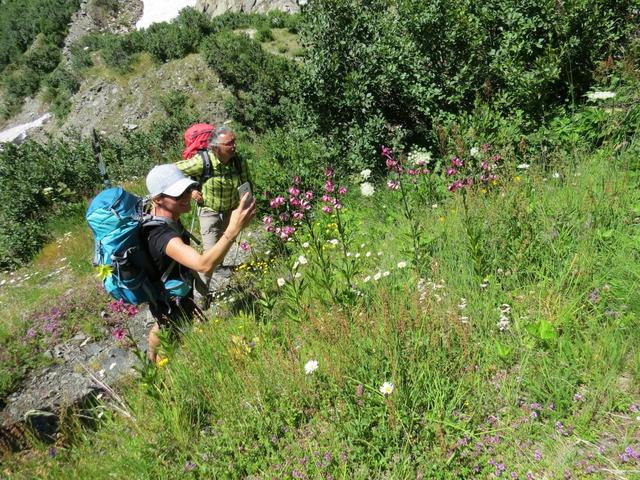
206,165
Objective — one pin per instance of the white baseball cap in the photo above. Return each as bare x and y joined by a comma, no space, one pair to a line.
169,180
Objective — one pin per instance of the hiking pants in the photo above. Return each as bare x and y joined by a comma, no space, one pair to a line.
212,226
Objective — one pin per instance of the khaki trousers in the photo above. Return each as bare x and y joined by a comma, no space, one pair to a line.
212,226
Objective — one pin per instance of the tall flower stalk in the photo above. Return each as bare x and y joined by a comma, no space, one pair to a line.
397,179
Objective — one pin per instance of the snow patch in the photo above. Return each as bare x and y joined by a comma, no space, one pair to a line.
161,11
16,132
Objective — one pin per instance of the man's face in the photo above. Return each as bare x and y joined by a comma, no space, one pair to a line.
226,148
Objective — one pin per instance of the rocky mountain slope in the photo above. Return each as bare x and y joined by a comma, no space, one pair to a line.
108,102
218,7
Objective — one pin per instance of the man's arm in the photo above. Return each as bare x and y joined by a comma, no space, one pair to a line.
193,167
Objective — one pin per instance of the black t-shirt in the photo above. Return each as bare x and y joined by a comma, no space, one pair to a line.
158,236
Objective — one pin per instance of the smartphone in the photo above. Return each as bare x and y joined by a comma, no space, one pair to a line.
245,188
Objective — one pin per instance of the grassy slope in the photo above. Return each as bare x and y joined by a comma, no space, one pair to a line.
554,392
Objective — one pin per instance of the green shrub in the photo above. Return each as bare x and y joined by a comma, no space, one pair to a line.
263,84
264,35
282,153
407,62
42,57
119,51
21,82
60,85
168,41
22,20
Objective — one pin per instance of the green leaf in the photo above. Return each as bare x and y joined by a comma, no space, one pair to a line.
503,351
546,330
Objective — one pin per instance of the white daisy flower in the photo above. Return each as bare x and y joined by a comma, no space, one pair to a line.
387,388
310,367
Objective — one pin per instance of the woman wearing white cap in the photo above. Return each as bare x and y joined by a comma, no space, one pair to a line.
168,243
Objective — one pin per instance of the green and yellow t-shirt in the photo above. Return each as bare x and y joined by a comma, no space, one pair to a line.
220,192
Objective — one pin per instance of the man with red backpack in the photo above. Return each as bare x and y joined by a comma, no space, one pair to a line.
210,157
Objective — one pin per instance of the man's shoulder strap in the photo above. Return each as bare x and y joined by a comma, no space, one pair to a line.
206,164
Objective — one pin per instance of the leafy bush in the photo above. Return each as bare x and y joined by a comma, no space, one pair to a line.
262,83
22,20
406,62
119,51
42,57
264,35
37,179
283,153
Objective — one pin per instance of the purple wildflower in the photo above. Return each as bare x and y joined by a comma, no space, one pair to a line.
276,202
119,333
294,192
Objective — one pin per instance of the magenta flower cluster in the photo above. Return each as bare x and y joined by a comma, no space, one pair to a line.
119,333
331,199
396,167
124,308
466,174
47,323
288,212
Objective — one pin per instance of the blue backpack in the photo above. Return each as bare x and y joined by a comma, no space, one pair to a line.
117,220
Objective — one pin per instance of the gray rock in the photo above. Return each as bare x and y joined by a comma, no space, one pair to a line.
218,7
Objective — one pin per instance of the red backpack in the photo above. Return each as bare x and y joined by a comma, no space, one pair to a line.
196,140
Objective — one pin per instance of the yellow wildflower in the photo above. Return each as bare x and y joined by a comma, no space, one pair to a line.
104,272
162,362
